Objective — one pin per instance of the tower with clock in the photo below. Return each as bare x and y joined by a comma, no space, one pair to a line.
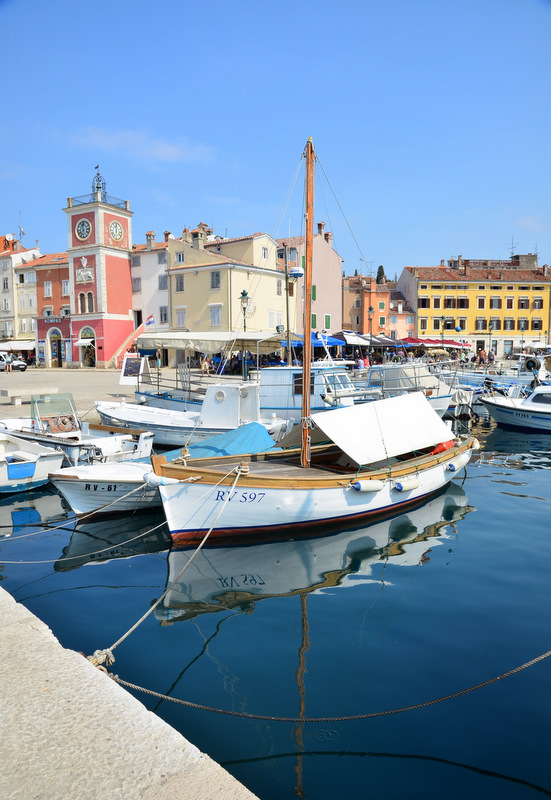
100,244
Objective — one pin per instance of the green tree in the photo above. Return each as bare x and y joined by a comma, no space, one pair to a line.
381,277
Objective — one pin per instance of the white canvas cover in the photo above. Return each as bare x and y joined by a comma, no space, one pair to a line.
374,431
209,342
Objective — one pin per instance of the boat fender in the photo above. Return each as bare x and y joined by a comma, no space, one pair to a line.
158,480
406,484
367,486
458,463
440,448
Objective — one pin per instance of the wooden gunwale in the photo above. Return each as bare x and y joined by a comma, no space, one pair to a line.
294,476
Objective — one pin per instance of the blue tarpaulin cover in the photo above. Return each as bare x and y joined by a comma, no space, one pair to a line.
250,438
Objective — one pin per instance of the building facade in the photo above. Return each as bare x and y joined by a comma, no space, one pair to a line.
17,292
498,305
375,308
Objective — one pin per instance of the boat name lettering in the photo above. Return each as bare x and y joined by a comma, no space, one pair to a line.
244,497
93,487
233,582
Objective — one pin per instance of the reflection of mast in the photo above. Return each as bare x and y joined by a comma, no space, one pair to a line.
301,672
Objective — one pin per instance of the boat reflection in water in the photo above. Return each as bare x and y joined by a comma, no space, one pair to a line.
101,540
29,512
235,576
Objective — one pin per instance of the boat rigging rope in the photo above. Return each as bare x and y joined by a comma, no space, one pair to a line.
351,717
101,656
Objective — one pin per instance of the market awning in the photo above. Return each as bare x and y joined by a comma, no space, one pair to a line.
209,342
352,338
83,342
317,340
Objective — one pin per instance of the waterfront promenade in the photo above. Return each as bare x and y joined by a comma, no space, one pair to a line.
67,730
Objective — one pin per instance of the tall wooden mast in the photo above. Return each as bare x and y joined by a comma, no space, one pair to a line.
307,342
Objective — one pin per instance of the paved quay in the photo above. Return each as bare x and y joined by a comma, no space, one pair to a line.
67,730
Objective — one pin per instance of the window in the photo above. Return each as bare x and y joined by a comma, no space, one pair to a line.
5,284
23,325
537,288
357,320
495,324
180,317
538,302
524,288
163,282
180,257
32,300
509,303
65,311
82,303
215,280
21,278
523,303
357,302
381,305
393,319
64,287
90,302
495,288
436,302
22,299
495,302
462,323
265,253
279,287
462,302
480,324
6,304
5,264
163,313
423,286
33,324
48,311
410,319
423,323
161,257
291,289
436,286
449,302
382,322
30,277
327,321
297,383
537,324
271,319
436,323
481,303
136,261
215,313
136,285
180,283
509,324
424,302
482,288
47,288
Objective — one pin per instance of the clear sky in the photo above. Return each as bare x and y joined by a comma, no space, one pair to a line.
431,120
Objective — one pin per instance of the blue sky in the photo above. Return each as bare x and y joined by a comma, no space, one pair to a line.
431,120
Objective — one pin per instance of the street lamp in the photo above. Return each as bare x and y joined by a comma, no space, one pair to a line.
370,312
442,320
244,299
522,335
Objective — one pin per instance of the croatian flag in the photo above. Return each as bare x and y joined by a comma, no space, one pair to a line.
150,320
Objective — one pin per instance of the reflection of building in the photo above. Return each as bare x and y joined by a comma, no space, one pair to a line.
499,304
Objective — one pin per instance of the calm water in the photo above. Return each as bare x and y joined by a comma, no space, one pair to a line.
395,614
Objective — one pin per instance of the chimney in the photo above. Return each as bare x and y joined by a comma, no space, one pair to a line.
328,237
321,228
186,236
544,270
150,239
198,238
167,235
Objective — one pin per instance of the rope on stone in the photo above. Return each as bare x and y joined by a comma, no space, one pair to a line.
353,717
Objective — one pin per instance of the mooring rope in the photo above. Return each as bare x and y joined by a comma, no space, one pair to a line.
101,656
347,718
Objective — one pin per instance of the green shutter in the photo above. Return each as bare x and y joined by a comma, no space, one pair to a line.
327,322
314,322
313,292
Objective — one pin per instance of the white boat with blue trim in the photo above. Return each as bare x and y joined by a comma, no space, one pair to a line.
519,410
25,465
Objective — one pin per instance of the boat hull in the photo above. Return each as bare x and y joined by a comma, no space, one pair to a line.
509,413
117,489
256,506
25,466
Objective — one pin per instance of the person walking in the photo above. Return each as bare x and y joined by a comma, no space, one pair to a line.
8,362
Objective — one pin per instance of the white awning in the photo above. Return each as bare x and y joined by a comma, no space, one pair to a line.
14,344
352,338
377,430
83,342
209,342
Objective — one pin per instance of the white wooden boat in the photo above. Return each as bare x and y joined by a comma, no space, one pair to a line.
392,379
54,423
226,406
121,488
530,412
373,458
233,576
25,465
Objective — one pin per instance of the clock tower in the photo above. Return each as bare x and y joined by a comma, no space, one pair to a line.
100,244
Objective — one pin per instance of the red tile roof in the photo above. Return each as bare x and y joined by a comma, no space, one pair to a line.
47,260
477,275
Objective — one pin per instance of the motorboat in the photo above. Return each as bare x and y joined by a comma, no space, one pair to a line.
25,465
518,409
226,406
54,423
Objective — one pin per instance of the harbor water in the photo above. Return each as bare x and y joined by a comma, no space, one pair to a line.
333,666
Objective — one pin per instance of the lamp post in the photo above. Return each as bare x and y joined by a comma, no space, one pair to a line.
244,299
442,320
521,335
370,313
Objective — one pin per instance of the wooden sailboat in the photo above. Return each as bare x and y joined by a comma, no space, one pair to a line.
341,466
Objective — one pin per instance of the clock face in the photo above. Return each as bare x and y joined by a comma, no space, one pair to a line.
83,229
116,230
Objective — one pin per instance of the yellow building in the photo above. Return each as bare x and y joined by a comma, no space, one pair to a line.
498,305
